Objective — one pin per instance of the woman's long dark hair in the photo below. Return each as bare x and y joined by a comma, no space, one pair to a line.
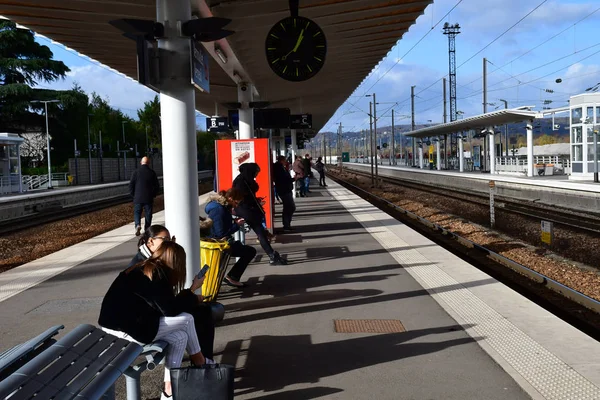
149,233
168,259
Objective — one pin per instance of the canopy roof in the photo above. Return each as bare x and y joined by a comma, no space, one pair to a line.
359,34
482,121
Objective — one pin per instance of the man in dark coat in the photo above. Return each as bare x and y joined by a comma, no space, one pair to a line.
143,187
284,184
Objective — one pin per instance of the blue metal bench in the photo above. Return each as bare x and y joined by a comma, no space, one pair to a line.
15,357
84,364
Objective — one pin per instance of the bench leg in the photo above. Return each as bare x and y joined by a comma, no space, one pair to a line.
134,389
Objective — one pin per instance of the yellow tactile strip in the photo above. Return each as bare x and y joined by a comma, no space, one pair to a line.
368,326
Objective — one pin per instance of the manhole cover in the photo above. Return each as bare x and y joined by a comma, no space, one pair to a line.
368,326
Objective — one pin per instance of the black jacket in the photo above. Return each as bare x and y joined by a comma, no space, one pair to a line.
284,183
307,166
185,301
134,303
249,209
143,185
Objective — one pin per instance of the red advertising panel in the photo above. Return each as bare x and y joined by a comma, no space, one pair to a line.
231,154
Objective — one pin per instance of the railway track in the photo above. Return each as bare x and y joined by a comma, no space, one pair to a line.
570,218
572,306
54,214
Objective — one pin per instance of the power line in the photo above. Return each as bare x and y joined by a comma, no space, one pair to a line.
503,33
411,49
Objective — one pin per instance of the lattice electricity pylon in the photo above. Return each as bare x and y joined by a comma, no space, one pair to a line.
452,31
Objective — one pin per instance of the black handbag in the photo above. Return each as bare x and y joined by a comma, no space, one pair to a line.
205,382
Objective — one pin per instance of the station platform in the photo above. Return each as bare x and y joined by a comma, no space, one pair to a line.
465,336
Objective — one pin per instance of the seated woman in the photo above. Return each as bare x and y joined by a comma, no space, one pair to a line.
141,303
222,227
187,301
251,210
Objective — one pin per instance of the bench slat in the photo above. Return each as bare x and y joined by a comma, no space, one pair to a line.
10,383
50,374
28,389
88,342
10,358
100,385
71,338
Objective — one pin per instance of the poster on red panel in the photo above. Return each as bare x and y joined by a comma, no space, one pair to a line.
231,154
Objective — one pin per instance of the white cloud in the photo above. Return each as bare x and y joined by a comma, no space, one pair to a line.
120,91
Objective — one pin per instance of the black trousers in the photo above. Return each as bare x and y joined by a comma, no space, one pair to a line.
246,255
289,207
322,178
253,218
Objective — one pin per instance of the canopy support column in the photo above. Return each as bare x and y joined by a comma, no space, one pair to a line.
177,107
529,148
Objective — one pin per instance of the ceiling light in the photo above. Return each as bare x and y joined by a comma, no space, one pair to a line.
221,55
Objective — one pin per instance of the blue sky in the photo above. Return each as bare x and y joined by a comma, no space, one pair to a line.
526,70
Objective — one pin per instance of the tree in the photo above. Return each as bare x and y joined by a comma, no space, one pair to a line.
149,117
206,149
23,63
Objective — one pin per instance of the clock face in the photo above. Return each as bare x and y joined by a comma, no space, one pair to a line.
296,48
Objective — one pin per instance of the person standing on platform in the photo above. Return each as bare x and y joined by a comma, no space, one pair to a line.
143,187
321,170
251,209
298,168
284,184
306,162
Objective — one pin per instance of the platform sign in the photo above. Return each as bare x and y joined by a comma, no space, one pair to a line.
230,154
199,60
547,232
217,124
431,154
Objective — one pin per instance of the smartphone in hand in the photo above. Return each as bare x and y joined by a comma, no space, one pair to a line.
203,272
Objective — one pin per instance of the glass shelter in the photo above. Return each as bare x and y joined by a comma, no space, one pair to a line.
10,163
585,121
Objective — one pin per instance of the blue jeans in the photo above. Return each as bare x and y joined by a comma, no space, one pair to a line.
137,214
301,186
306,183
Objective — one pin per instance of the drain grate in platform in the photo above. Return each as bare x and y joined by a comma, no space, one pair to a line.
368,326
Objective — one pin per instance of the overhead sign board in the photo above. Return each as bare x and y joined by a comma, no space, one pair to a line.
301,121
200,74
217,124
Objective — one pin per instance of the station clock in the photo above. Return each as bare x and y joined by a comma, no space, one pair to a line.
296,48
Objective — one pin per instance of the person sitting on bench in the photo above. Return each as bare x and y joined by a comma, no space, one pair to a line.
141,303
187,301
222,227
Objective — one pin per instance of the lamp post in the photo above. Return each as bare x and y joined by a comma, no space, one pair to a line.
124,151
47,137
89,147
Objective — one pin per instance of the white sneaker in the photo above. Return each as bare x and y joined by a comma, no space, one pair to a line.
209,361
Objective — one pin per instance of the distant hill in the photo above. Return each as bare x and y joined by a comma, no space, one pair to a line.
542,128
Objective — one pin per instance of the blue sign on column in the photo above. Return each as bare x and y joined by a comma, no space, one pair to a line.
200,74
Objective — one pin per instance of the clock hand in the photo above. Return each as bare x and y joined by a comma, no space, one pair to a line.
300,38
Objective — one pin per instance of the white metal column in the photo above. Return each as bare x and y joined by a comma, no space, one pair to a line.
177,108
439,155
461,155
246,129
492,145
420,149
529,148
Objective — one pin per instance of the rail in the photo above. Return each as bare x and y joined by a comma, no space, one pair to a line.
557,287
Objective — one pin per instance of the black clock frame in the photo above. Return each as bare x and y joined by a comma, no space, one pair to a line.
313,68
